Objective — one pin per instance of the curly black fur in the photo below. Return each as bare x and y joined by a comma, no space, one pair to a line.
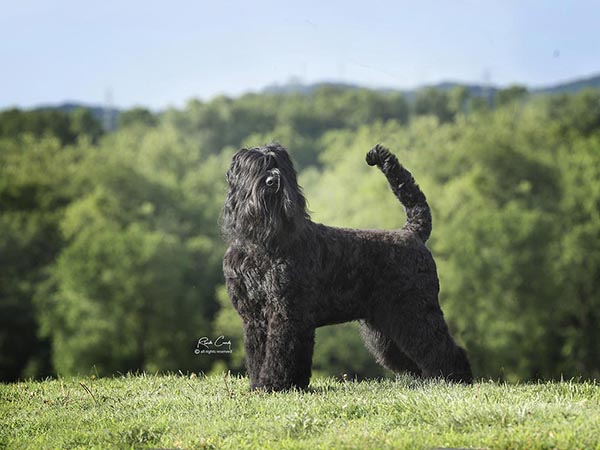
287,275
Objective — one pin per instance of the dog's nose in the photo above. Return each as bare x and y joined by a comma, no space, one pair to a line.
271,180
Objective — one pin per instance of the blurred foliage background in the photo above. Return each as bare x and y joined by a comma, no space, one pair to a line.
110,249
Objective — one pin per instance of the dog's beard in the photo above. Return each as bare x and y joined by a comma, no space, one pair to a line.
264,203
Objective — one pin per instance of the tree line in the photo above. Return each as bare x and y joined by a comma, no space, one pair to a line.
110,248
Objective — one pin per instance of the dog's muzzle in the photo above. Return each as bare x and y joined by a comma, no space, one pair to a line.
273,180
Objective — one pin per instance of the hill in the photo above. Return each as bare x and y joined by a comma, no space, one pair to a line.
109,117
571,86
296,87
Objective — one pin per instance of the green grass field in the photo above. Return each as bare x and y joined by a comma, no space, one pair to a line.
220,412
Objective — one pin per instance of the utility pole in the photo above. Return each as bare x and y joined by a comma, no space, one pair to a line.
108,121
487,83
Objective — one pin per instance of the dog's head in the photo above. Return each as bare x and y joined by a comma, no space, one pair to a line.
264,202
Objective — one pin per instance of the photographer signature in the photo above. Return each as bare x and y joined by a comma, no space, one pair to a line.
204,344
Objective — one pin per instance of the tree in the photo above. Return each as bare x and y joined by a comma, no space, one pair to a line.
133,288
138,115
575,113
66,127
83,123
511,94
35,188
578,268
435,102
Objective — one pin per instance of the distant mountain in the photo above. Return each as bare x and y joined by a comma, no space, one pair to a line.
570,86
109,117
295,87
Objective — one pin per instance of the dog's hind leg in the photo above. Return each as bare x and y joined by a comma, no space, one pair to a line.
419,330
303,366
385,350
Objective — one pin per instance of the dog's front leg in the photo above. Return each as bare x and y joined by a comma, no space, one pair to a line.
255,339
255,327
288,355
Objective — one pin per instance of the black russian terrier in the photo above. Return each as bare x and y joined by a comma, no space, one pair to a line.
287,275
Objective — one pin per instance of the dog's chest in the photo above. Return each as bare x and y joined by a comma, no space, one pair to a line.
254,269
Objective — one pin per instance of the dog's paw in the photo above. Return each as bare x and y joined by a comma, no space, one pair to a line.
377,155
268,387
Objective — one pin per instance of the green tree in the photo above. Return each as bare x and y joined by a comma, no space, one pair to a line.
511,94
35,188
83,123
435,102
137,115
134,287
577,113
578,268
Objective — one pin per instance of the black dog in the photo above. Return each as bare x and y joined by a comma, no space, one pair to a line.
287,275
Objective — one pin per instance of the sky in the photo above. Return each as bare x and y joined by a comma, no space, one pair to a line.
161,54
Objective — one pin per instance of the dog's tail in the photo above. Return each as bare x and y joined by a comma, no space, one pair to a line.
418,214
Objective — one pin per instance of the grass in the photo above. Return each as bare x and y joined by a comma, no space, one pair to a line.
146,411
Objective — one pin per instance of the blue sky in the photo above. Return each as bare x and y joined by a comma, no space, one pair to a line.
160,54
